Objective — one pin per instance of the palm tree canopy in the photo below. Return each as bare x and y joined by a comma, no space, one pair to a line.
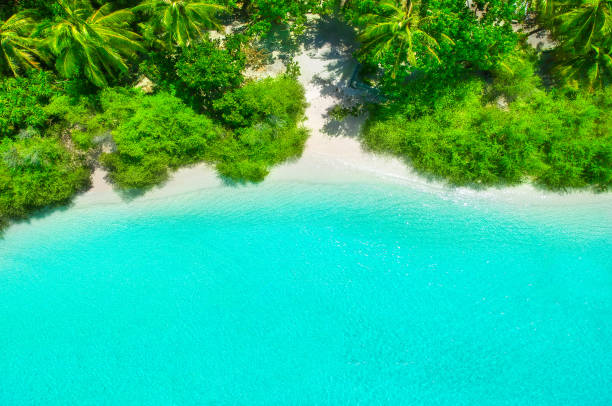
182,20
586,24
584,29
18,50
94,42
398,28
593,69
546,8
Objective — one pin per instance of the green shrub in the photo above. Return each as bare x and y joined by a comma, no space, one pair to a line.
153,134
22,100
249,153
68,111
82,139
264,116
273,100
160,67
207,71
561,140
36,172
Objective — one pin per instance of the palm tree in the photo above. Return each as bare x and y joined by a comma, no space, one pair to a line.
545,12
182,20
592,69
93,42
18,50
545,8
585,54
586,24
397,28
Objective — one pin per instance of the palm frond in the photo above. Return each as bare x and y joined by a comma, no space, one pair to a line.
400,26
95,43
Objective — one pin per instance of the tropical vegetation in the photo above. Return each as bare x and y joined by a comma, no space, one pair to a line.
142,87
18,49
464,98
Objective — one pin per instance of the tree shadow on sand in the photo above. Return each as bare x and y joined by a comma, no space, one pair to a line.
349,126
325,32
331,32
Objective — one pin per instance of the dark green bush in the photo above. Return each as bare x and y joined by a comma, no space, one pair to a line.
264,116
22,100
250,152
558,139
36,172
275,101
207,71
153,134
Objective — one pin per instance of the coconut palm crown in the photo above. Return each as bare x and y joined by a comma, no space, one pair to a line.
93,42
399,27
183,21
18,51
585,56
587,24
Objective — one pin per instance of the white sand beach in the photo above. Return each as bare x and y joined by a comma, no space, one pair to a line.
333,152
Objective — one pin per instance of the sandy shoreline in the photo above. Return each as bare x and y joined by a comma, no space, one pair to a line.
333,153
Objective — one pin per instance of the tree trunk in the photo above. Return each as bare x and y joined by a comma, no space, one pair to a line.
535,31
246,4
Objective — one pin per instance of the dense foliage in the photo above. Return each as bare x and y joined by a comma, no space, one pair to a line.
559,141
67,101
180,22
18,50
264,117
36,172
461,95
22,100
92,42
208,70
465,102
265,14
153,135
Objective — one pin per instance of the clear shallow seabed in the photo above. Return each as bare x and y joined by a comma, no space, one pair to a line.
308,294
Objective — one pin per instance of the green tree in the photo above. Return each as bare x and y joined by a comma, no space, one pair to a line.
264,116
183,21
544,8
585,53
445,40
19,51
22,100
398,28
36,172
154,135
263,14
587,24
95,43
208,70
592,69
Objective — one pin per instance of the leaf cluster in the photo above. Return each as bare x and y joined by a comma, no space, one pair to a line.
504,132
37,172
264,117
22,100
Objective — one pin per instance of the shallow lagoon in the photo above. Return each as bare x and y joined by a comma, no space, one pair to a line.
308,293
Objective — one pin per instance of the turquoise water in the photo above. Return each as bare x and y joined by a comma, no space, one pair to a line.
308,295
